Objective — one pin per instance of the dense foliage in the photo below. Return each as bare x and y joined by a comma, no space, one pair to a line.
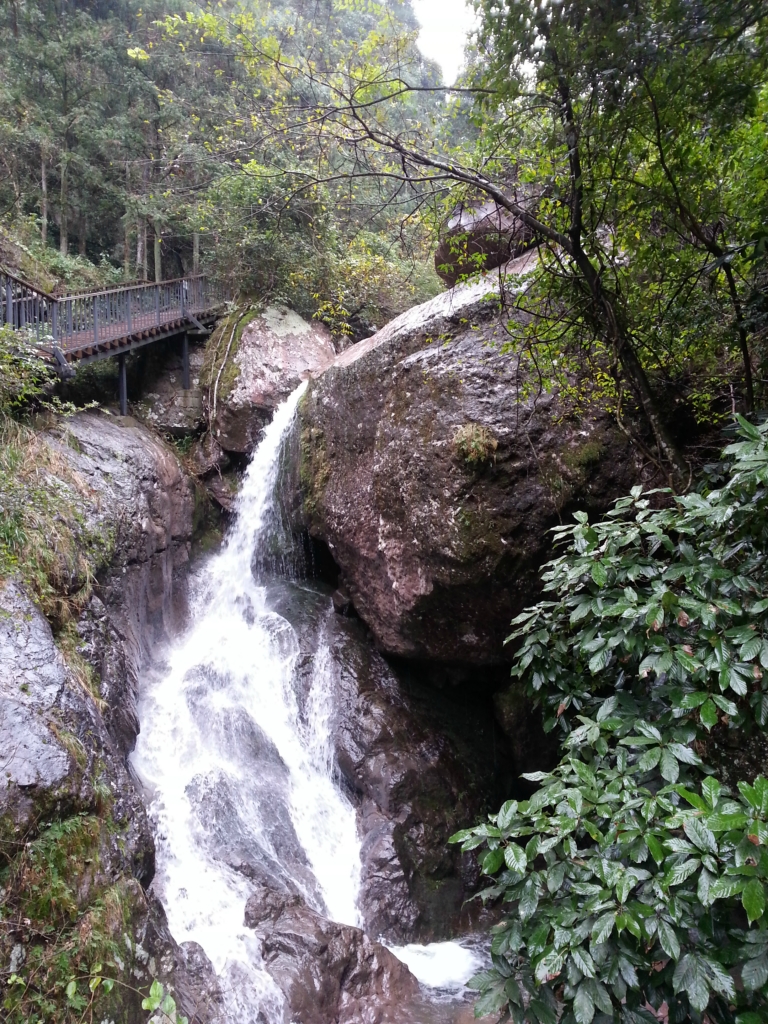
634,878
131,134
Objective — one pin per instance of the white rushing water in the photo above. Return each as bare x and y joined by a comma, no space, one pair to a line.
240,784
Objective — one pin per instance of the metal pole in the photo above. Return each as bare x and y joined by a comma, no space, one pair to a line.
185,362
123,385
157,303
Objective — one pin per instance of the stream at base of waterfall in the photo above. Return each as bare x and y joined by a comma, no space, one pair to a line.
237,768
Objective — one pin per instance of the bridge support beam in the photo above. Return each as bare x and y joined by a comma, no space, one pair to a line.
185,361
123,385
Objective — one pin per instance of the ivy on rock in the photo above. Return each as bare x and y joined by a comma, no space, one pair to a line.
634,879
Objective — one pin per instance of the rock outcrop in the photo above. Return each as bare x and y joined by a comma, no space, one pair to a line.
327,971
73,829
417,763
433,468
479,236
274,351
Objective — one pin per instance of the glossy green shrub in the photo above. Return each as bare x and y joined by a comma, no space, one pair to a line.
633,880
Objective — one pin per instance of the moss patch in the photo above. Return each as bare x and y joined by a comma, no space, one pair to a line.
314,469
475,444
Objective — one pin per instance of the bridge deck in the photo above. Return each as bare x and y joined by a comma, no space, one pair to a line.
97,325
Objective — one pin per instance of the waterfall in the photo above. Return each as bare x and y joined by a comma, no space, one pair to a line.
239,782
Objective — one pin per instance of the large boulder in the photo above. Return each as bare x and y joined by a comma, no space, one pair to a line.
327,971
479,236
271,352
433,467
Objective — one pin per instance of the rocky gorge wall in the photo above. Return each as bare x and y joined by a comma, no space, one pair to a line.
75,837
419,489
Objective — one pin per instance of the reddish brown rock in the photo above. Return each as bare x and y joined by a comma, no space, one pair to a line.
276,350
434,468
328,972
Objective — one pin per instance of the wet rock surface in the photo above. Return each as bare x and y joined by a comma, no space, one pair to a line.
276,349
415,774
434,476
140,508
64,735
328,972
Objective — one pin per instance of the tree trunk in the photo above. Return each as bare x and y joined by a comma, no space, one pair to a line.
158,258
43,202
63,241
196,252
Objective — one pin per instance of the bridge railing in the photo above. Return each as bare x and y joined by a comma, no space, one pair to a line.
91,319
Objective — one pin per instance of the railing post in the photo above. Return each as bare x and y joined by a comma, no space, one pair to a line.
9,302
128,312
55,322
69,318
95,304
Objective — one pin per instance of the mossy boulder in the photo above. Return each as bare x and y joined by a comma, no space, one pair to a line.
254,363
433,467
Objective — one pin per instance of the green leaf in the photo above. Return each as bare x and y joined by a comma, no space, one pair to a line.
708,714
583,961
650,759
692,700
681,872
599,574
529,900
753,899
603,927
555,876
71,988
583,1006
754,973
152,1002
690,976
700,835
506,815
492,861
669,766
668,939
515,859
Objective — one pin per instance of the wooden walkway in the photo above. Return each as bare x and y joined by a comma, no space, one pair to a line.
97,325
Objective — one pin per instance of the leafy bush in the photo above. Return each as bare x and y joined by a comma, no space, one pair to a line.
634,878
24,376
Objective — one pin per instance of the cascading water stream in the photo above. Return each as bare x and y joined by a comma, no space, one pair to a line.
239,773
240,783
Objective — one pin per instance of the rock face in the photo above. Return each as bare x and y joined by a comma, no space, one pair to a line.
276,349
328,972
479,236
164,403
141,508
417,763
433,469
64,734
